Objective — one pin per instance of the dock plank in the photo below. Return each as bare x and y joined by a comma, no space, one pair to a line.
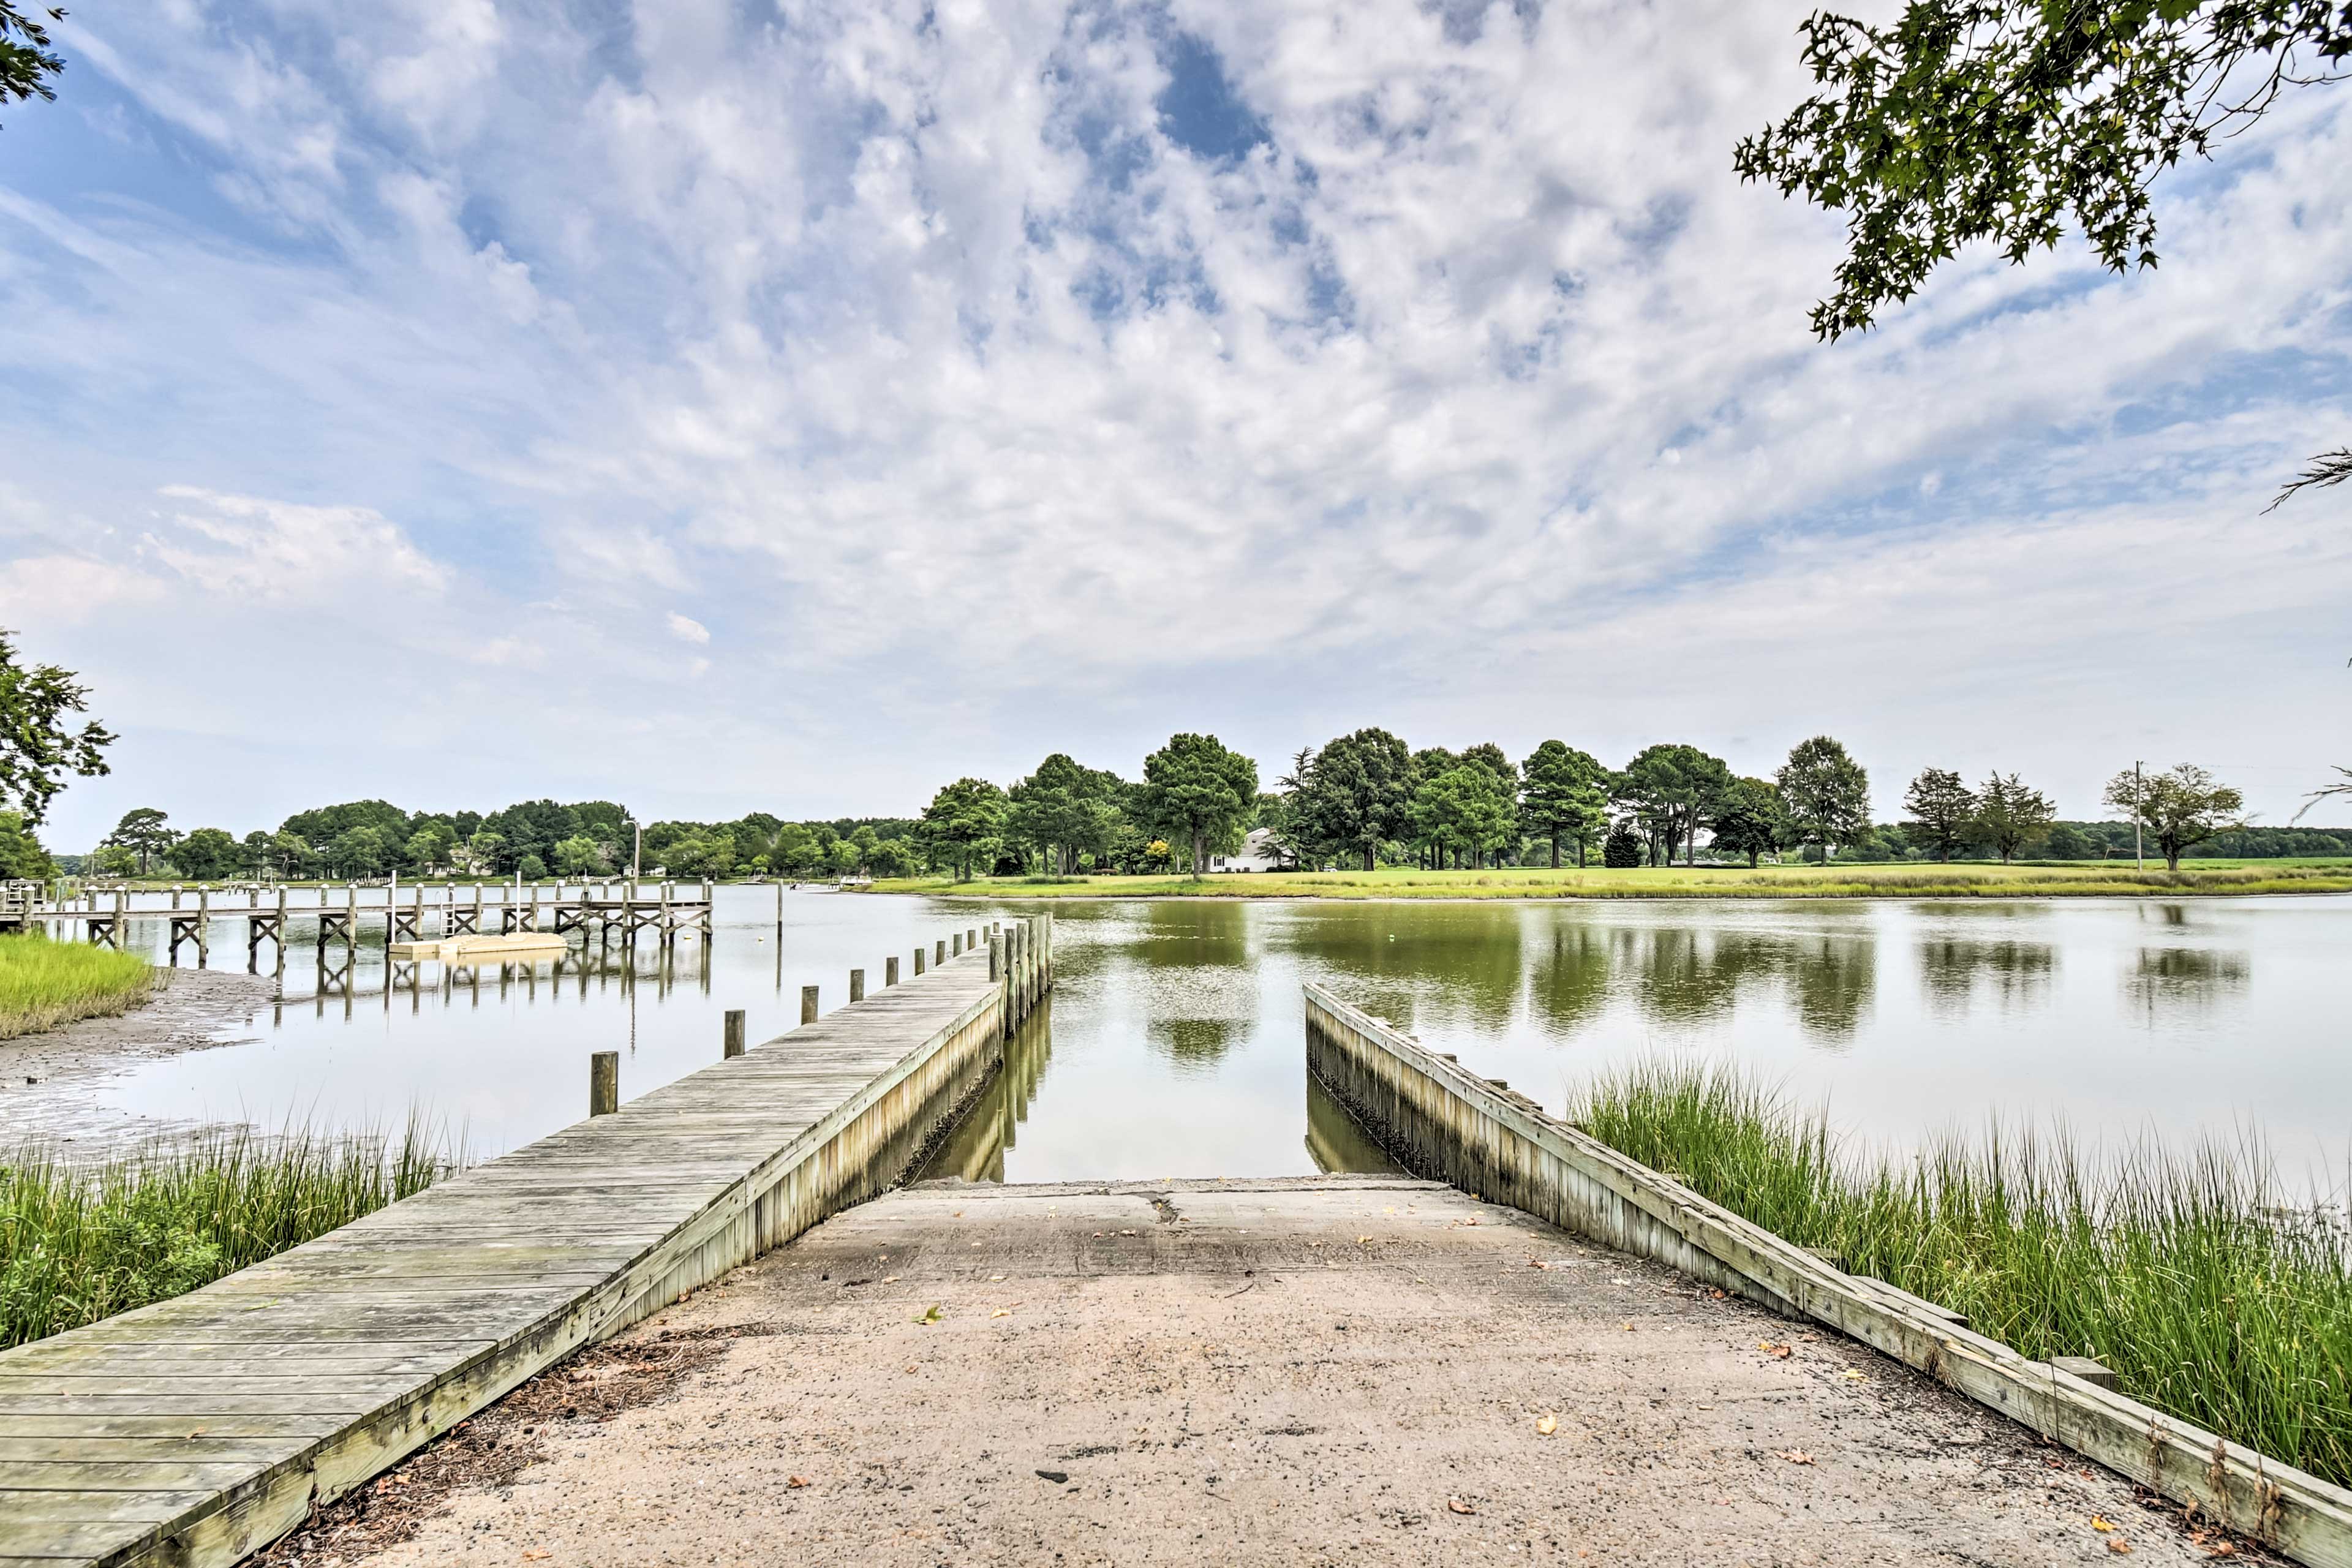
196,1429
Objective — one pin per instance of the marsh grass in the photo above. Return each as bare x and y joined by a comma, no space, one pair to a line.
1901,880
82,1242
43,984
2211,1294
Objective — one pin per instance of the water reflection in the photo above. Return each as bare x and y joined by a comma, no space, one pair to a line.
2191,981
975,1149
1173,1042
1955,971
1831,981
1337,1142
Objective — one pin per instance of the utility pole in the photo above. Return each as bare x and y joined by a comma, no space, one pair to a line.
2139,850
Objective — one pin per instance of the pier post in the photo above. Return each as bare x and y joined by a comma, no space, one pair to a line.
857,985
939,954
780,912
603,1082
204,924
971,937
955,944
995,957
919,960
733,1040
808,1004
890,971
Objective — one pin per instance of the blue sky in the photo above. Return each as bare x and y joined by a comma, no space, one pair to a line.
731,406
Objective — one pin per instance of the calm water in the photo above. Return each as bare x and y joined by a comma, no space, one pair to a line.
1172,1046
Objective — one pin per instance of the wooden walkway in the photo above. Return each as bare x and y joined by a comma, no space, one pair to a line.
199,1429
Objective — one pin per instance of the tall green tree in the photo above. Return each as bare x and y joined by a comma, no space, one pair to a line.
1941,807
205,855
142,831
1468,808
962,824
1357,792
1825,793
21,855
1564,795
2178,808
1749,819
1670,790
1197,790
27,64
2011,815
2011,120
1065,810
37,750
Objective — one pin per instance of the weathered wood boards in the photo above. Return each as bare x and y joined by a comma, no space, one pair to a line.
196,1430
1446,1123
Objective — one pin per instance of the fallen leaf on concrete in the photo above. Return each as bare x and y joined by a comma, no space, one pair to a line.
996,1279
1547,1425
2119,1546
1362,1239
1455,1505
1001,1312
1538,1263
1716,1294
931,1315
796,1482
1056,1477
1627,1327
1778,1353
2100,1524
889,1279
1796,1456
1853,1375
536,1556
1127,1233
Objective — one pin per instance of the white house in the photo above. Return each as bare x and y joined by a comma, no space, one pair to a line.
1257,853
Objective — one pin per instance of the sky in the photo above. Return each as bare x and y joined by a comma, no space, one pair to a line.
722,404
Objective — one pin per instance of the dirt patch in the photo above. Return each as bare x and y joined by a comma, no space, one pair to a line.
46,1079
1363,1370
487,1452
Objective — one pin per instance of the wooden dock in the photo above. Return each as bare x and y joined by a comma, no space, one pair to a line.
194,1432
607,909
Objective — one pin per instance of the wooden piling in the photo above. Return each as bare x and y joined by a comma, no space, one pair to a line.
808,1004
919,960
204,924
995,957
955,944
603,1083
733,1041
857,985
940,953
890,971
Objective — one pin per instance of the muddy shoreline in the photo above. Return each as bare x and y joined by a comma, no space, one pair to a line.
48,1082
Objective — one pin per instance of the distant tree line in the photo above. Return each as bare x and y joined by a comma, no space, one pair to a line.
1363,800
1368,799
530,840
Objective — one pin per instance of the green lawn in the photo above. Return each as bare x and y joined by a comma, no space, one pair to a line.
1907,879
43,984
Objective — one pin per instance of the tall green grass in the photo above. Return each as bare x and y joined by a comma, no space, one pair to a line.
82,1242
2211,1292
43,984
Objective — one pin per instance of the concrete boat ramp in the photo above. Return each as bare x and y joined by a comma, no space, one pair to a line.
779,1355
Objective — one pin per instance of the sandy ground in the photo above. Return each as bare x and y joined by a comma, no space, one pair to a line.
1350,1369
46,1079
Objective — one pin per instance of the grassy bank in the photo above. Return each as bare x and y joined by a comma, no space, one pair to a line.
43,984
78,1243
2176,1269
1908,880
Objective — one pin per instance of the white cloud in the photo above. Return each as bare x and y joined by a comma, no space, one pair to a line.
911,341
